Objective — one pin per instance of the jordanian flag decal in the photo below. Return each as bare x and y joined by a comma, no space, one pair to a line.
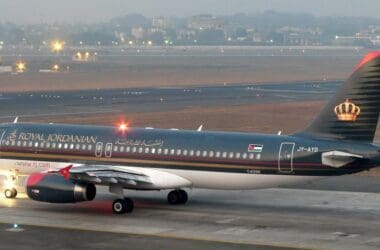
255,148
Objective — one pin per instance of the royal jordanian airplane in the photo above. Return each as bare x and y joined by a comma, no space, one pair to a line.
65,163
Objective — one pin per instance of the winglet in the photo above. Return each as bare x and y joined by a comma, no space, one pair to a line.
65,172
15,120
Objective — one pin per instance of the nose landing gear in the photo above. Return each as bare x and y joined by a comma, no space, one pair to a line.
10,193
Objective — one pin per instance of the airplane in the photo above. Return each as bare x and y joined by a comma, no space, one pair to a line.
65,163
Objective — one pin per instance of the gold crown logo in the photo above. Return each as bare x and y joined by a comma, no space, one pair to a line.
347,111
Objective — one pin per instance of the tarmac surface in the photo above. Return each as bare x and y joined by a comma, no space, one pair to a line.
308,216
116,101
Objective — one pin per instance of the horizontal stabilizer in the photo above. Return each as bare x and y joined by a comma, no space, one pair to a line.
338,159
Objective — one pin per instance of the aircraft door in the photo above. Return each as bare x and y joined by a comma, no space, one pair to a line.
285,157
99,149
108,150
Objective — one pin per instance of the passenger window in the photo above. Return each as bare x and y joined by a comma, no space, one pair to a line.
19,143
224,155
128,148
13,143
251,156
204,153
122,149
71,146
166,151
115,148
172,151
258,156
244,155
89,147
24,143
66,146
77,146
159,151
83,146
134,149
48,144
53,145
36,145
60,145
237,155
198,153
178,151
191,152
217,154
140,150
185,152
153,150
211,153
30,143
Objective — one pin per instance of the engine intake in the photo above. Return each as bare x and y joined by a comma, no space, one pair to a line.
54,188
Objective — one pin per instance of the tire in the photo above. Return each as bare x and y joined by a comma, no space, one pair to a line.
129,205
10,193
119,206
183,196
174,197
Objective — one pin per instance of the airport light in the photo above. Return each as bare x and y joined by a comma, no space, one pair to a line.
20,67
55,67
130,42
86,56
57,46
78,55
150,42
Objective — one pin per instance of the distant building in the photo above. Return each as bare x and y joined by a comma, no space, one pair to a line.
205,22
160,23
138,33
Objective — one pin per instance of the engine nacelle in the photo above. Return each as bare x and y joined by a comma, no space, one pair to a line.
54,188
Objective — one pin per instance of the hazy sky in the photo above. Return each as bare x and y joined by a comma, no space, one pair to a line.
22,11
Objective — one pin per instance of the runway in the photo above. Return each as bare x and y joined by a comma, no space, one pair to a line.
309,216
116,101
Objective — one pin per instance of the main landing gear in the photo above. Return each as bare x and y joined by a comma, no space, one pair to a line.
177,196
126,205
122,206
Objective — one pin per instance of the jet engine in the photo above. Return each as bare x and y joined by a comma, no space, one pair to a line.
55,188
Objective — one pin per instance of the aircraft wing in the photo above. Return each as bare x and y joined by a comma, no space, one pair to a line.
338,159
127,176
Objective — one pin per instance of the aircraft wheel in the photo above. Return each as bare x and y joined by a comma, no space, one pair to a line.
183,195
119,206
10,193
177,197
129,205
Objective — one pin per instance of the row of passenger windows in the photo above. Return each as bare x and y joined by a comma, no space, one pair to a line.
185,152
49,145
134,149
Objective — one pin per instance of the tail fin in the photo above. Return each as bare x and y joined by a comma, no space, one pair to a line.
353,112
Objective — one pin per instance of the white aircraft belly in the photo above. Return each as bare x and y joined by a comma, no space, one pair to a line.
237,181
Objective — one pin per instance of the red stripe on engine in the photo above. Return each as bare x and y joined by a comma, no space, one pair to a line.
35,178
